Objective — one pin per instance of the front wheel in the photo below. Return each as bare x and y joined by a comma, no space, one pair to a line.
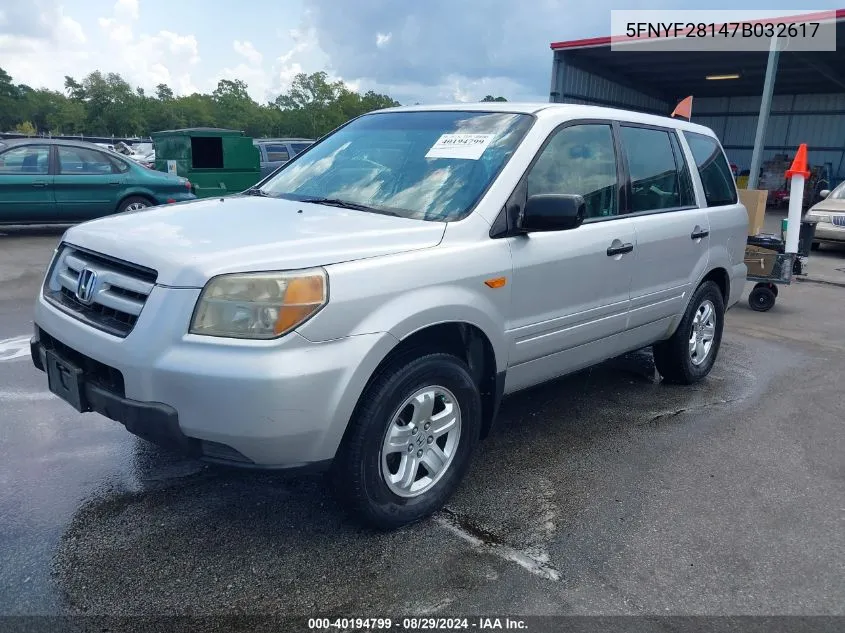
410,441
689,355
133,203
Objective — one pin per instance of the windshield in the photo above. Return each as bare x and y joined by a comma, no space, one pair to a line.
423,165
838,193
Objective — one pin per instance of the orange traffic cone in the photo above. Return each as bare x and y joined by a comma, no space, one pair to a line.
799,164
684,108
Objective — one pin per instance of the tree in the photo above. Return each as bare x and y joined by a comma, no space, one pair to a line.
9,96
74,89
26,128
105,104
492,98
164,92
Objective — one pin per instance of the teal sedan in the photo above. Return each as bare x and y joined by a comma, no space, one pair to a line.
52,181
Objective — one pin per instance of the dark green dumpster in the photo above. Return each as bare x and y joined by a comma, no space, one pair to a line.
217,162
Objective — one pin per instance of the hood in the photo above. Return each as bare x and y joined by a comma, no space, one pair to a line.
189,243
829,204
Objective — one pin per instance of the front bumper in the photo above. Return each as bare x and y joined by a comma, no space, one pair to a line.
155,422
828,232
270,404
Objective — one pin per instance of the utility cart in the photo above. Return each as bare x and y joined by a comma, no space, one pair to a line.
770,266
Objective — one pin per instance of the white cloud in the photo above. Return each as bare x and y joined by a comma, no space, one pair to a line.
383,39
127,9
247,50
118,32
39,44
255,78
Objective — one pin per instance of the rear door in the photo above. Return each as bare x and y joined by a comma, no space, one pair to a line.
88,183
728,218
672,232
26,186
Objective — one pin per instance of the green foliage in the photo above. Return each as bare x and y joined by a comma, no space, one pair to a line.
492,98
105,104
25,128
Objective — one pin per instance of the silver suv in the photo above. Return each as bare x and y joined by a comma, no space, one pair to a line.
366,308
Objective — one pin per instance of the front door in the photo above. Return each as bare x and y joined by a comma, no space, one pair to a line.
26,186
571,288
87,183
672,231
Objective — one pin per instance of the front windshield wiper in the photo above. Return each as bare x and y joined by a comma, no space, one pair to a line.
346,204
255,191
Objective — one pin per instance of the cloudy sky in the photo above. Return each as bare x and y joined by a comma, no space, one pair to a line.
424,50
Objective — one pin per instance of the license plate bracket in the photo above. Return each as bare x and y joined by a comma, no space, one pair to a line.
66,381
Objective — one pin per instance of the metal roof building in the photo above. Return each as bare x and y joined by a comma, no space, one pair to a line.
806,104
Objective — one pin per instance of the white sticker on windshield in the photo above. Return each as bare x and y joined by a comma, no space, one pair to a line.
467,146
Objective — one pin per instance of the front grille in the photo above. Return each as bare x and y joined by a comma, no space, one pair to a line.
118,290
104,375
838,220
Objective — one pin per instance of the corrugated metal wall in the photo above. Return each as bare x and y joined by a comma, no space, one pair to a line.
571,84
818,120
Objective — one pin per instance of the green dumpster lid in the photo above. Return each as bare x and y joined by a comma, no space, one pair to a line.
198,131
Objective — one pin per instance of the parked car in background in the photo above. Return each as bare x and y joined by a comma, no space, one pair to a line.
275,152
829,214
46,181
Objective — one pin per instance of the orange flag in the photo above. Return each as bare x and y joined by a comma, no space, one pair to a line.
684,109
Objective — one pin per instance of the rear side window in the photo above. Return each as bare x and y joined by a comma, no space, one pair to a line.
277,153
655,177
81,161
716,176
299,147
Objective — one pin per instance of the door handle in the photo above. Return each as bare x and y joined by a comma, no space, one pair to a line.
619,250
698,234
115,183
39,183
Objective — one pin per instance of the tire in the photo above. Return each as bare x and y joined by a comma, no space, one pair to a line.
761,298
814,246
676,359
363,465
133,203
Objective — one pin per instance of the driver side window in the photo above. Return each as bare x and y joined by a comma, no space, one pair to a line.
580,159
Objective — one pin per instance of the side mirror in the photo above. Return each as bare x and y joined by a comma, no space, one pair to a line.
824,193
552,212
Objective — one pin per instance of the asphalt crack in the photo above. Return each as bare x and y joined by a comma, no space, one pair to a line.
676,412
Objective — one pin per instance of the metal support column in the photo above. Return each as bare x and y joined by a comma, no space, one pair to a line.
763,117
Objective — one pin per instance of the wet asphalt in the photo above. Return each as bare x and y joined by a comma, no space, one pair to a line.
602,493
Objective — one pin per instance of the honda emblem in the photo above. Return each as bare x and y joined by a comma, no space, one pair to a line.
86,285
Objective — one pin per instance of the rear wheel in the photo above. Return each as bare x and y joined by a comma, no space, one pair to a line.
689,355
815,246
133,203
410,441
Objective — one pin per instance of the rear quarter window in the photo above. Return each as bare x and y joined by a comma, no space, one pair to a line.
716,176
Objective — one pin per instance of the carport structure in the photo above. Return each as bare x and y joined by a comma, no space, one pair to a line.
803,100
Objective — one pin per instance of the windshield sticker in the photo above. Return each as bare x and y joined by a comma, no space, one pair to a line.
466,146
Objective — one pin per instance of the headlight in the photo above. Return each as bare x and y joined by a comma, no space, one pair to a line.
259,305
816,216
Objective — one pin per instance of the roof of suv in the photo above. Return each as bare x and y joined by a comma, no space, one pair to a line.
571,111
